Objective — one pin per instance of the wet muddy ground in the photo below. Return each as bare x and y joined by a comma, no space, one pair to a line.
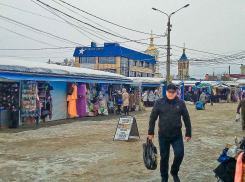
85,151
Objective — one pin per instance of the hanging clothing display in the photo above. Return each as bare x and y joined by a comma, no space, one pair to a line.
214,91
189,89
9,104
193,89
72,108
81,100
31,109
209,90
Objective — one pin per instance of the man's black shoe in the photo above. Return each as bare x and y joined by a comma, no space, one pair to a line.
164,180
175,177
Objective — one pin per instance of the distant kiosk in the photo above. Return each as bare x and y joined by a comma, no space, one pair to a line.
126,127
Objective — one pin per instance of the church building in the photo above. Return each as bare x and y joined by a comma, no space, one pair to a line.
183,67
152,51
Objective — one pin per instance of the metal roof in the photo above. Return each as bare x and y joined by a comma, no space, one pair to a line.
183,57
112,49
38,68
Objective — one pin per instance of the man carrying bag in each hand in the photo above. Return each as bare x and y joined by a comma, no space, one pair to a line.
170,109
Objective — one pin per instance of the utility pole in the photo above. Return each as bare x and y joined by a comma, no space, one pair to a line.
229,70
168,53
168,41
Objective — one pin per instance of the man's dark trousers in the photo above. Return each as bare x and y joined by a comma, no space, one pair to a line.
178,147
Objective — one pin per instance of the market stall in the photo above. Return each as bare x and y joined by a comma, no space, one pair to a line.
222,92
44,91
9,103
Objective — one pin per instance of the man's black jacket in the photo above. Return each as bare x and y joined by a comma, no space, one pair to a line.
170,112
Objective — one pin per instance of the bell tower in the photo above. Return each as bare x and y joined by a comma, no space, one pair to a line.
183,66
153,52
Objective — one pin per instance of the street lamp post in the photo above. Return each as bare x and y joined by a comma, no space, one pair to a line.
168,41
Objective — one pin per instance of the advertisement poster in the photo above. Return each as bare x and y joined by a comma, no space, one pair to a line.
123,129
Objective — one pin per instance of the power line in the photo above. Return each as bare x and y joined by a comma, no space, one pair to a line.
89,24
75,26
106,20
28,37
85,17
37,49
35,29
30,12
35,54
101,25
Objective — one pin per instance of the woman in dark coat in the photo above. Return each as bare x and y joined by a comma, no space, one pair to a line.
195,97
119,101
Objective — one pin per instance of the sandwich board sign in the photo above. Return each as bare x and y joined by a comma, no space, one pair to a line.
126,127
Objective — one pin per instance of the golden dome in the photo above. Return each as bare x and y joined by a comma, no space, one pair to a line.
151,47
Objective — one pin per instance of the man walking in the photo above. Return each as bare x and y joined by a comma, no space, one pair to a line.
242,105
170,109
203,99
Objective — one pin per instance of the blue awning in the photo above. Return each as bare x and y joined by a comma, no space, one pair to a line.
150,85
13,76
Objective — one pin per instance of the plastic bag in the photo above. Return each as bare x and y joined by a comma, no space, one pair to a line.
150,155
237,117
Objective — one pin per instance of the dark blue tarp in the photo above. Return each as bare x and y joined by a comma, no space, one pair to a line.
14,76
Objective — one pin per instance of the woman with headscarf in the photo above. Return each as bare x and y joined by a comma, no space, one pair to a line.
156,95
151,98
144,96
125,98
203,99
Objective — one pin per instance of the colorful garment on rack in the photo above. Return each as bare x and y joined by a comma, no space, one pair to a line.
72,106
189,89
209,90
214,91
81,100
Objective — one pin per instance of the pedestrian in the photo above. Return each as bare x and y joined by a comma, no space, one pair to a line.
187,96
125,98
195,97
145,98
151,98
212,98
242,105
203,99
119,101
170,109
131,101
156,95
148,102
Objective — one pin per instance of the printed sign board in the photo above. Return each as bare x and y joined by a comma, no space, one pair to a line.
126,127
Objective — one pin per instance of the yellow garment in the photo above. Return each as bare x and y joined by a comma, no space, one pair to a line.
214,91
72,106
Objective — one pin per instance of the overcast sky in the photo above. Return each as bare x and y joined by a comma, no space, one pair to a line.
215,27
